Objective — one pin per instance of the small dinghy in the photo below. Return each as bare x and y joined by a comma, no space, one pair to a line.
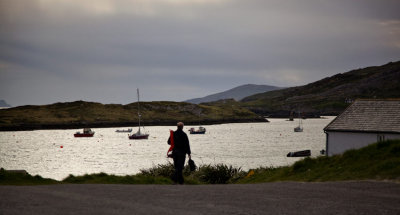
199,130
304,153
124,130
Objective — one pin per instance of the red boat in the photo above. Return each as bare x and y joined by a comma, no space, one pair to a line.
87,132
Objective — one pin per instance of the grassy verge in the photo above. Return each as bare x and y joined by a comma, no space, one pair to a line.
379,161
102,178
18,178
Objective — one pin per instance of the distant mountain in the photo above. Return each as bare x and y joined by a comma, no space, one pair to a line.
4,104
236,93
330,95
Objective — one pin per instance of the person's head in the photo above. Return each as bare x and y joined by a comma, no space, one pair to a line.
180,125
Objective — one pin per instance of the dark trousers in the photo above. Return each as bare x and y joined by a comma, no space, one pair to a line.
179,162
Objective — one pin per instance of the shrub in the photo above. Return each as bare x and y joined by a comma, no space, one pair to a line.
218,174
161,170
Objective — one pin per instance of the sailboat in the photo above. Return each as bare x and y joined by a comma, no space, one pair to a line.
300,127
139,134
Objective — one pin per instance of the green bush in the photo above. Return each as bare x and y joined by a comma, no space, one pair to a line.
13,178
161,170
218,174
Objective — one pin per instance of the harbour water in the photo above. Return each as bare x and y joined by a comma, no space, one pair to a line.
57,153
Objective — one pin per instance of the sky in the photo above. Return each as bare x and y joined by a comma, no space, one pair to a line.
173,50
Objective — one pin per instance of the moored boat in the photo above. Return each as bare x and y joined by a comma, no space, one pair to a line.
87,132
139,135
304,153
300,127
124,130
199,130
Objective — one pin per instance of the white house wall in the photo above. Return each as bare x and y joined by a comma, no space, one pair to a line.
339,142
392,136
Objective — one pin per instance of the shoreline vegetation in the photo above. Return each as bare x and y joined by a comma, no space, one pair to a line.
378,161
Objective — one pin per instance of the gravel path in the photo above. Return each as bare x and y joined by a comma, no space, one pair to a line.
366,197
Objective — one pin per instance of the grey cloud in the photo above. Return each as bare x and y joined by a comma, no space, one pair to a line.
177,51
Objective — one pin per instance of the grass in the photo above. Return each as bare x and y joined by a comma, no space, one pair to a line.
379,161
13,178
103,178
204,174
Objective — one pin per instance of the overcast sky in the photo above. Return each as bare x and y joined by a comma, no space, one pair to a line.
102,50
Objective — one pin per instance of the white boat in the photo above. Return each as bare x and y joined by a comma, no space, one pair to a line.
199,130
124,130
139,134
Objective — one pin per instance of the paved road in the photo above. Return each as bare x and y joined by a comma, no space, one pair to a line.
366,197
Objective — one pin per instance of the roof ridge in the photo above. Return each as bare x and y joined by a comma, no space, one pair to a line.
387,99
368,115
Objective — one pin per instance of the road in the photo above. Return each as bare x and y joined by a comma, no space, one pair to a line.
365,197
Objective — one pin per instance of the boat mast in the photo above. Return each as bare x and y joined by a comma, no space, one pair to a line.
299,119
138,107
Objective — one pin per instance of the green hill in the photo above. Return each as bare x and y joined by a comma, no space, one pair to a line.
81,114
328,96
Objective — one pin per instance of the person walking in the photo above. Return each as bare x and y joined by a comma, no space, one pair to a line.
181,148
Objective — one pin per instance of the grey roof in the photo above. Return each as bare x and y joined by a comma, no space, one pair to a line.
369,116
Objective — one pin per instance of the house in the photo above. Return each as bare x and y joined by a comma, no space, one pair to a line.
362,123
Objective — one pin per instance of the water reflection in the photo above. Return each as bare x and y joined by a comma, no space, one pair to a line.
56,153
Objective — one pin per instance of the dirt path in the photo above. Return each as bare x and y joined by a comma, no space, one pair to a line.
365,197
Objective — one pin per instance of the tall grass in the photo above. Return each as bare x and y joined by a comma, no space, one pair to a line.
218,174
205,174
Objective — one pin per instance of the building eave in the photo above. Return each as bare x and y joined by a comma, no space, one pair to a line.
361,131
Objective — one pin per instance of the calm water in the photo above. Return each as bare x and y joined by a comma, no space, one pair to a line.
56,153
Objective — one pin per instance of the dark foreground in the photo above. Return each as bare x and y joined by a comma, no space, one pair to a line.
366,197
